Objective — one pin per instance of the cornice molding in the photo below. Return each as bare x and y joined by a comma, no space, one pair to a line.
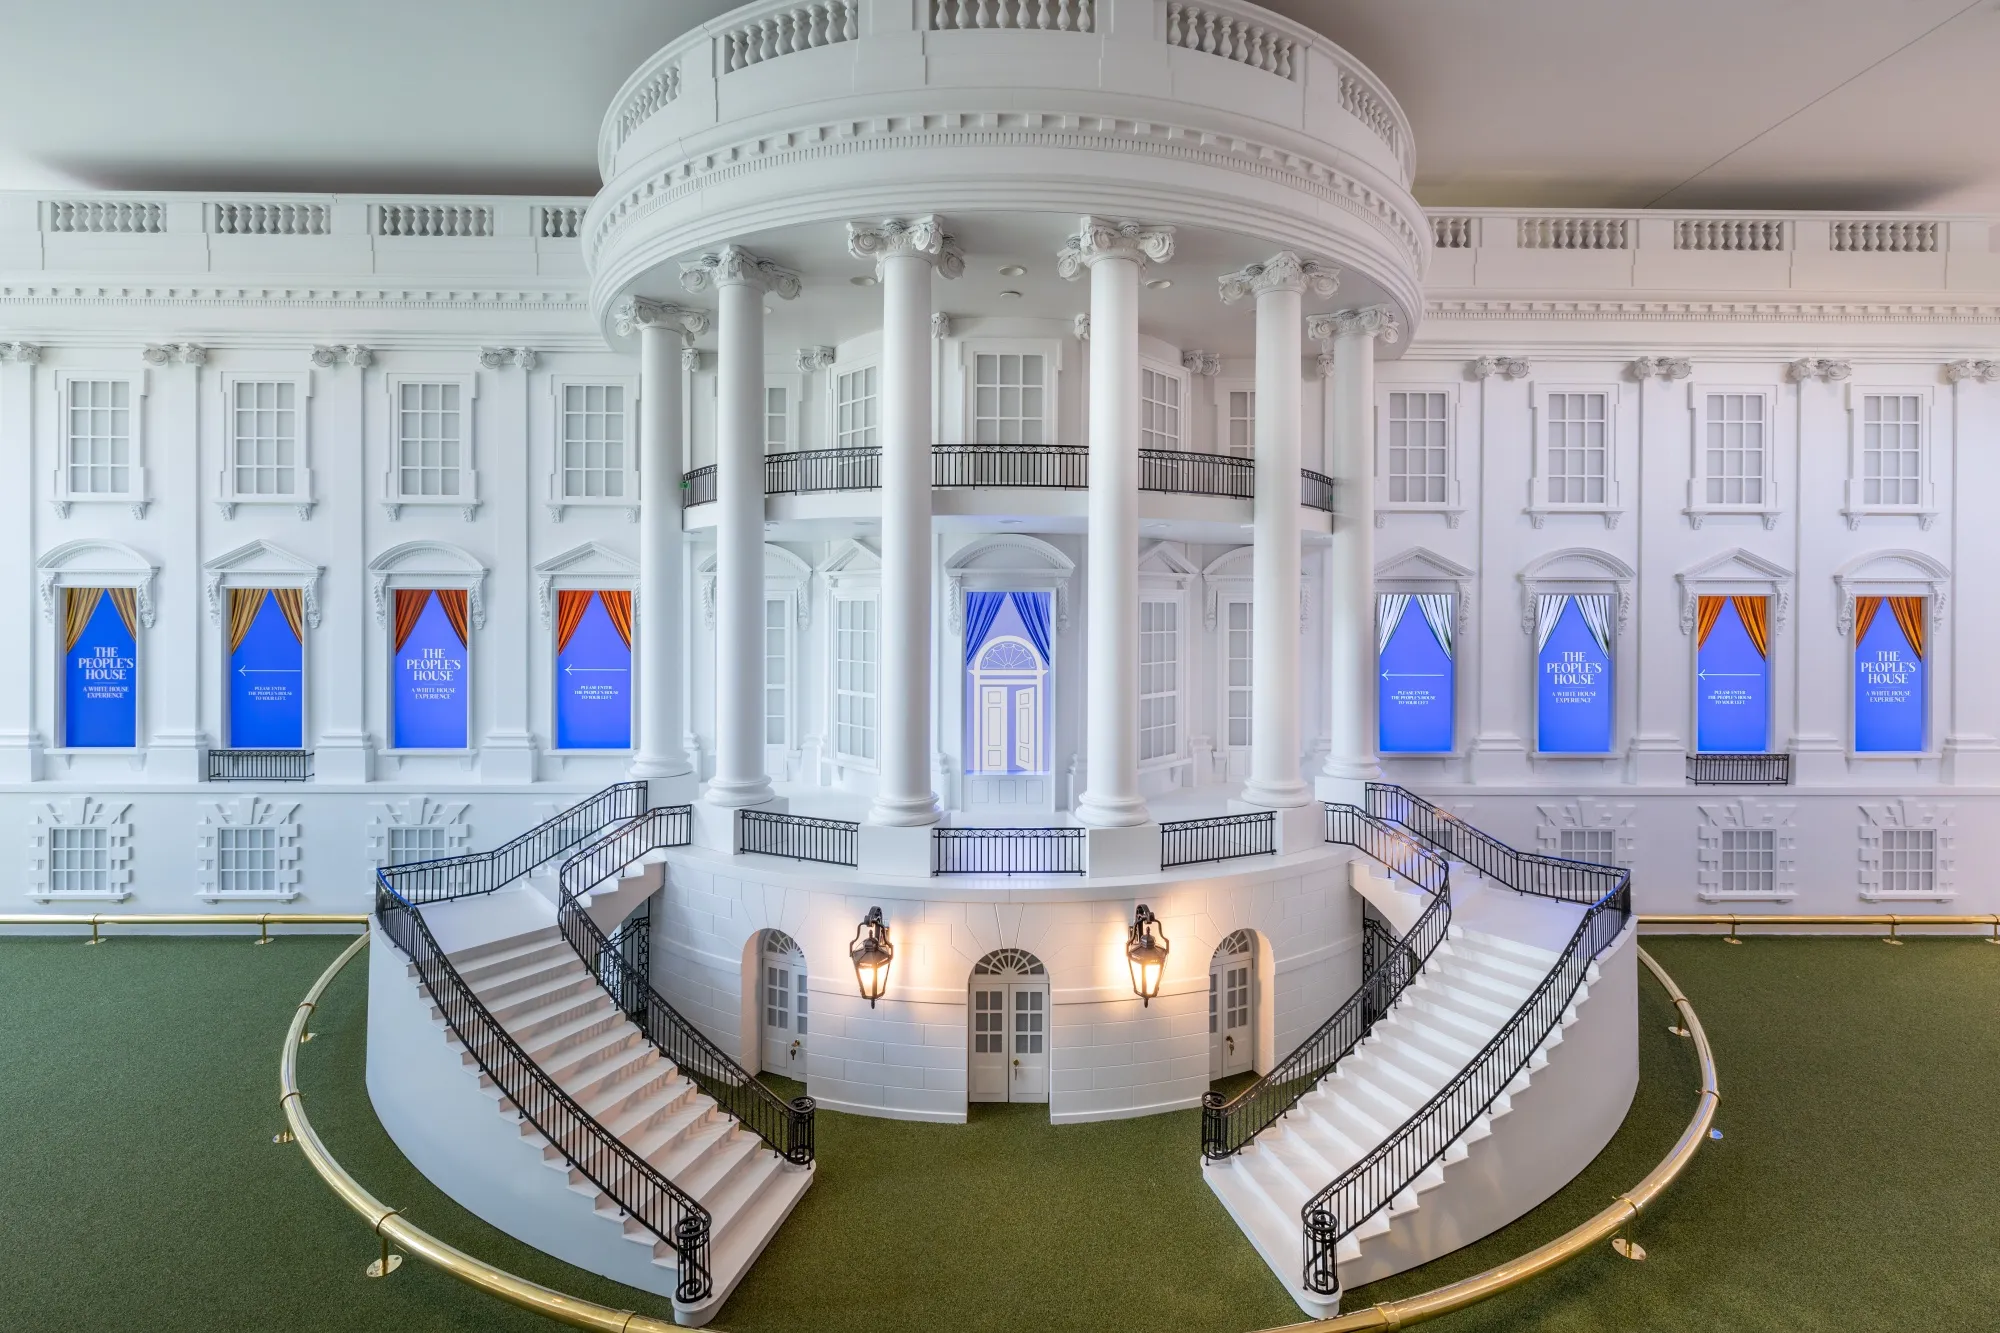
1717,312
643,312
92,294
1282,272
734,266
1098,239
914,238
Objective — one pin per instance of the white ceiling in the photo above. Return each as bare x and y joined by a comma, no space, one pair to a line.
1849,104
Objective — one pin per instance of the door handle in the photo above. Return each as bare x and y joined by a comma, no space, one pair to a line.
1229,1042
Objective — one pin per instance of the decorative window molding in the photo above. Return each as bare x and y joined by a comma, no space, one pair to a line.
589,567
1908,851
785,575
445,818
853,573
93,562
1734,453
266,442
1418,570
100,440
1009,562
1575,452
1735,573
1748,851
989,417
433,460
1236,417
264,866
854,405
594,452
1890,574
1588,820
427,564
1573,571
1166,577
261,564
1416,451
1890,467
1163,405
96,866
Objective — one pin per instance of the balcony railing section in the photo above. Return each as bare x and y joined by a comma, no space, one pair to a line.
787,1126
1739,770
260,765
1184,472
435,881
1186,842
1007,851
798,837
812,470
698,486
1056,466
1316,490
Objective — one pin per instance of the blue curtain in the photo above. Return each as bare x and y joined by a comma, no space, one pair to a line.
1034,609
981,610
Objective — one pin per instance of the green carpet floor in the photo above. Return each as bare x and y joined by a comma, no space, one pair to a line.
1855,1188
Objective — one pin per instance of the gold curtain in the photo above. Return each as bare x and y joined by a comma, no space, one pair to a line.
244,604
454,601
1708,611
292,603
618,605
1864,616
410,604
1756,623
79,605
126,600
571,603
1909,613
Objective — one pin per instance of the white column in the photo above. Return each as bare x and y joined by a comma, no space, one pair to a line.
658,755
1279,284
341,654
1351,761
507,750
1115,253
172,680
740,280
20,743
905,251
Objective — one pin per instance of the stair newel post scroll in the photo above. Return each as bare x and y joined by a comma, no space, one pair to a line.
1322,1237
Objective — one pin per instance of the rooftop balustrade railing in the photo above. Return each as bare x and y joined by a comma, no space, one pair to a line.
1007,851
1739,770
798,837
1185,842
260,765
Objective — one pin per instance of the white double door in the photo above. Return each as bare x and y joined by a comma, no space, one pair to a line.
1232,1040
785,1016
1009,1061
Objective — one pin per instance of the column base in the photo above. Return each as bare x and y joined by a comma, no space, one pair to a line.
736,793
344,758
20,757
1276,795
894,849
1127,849
1972,761
904,812
1300,828
1659,761
179,757
1094,811
712,827
507,758
666,764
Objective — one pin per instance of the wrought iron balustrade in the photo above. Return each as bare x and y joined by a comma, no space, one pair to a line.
1007,851
812,470
1316,490
1184,472
1184,842
698,486
1739,770
797,837
1049,466
421,882
260,765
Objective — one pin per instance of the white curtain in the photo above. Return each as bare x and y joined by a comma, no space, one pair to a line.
1389,609
1548,610
1596,608
1436,607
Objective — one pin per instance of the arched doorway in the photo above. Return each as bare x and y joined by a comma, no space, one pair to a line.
782,1045
1232,1006
1009,1060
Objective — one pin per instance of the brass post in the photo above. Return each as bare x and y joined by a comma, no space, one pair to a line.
93,932
1731,937
264,929
1890,938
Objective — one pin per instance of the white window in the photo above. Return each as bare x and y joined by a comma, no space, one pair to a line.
777,419
1734,449
854,409
264,437
1889,455
1909,860
1596,845
778,997
777,671
1159,679
430,444
246,859
854,677
1577,438
1159,409
1009,398
418,842
1749,860
1237,672
594,449
1416,463
80,860
1239,435
99,454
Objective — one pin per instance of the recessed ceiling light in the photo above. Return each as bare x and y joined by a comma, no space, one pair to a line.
1011,294
864,280
1247,527
1010,522
1011,270
1159,284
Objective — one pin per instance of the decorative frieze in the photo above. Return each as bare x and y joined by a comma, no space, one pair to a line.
1282,272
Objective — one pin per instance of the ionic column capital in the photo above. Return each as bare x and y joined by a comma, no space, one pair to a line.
28,354
1203,363
1282,272
1108,238
1668,368
734,266
1819,368
1506,367
908,238
814,358
643,312
1374,321
1957,371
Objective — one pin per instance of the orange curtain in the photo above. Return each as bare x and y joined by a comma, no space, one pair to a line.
1709,610
79,605
454,600
410,603
1909,613
1755,622
292,603
1864,616
244,604
618,605
571,603
127,602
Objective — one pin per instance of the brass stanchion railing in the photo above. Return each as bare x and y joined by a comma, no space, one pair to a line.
262,920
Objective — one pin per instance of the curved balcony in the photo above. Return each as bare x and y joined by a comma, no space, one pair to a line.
1064,467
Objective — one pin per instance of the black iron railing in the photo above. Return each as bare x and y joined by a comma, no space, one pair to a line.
260,765
1058,466
1739,770
1007,851
1395,1163
1184,472
786,1126
1315,490
698,486
421,882
811,470
799,837
1227,1124
1183,842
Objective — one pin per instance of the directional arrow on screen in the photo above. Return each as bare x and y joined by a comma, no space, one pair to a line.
267,671
572,670
1727,675
1413,675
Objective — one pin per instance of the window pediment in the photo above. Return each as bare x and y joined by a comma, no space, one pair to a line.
1890,574
1576,569
93,562
592,565
427,564
1733,572
261,564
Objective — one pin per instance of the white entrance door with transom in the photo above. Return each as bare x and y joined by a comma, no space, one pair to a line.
1235,678
1232,1005
783,969
1009,1010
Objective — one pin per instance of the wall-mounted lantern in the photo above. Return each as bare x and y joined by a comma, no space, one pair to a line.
1146,954
872,953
